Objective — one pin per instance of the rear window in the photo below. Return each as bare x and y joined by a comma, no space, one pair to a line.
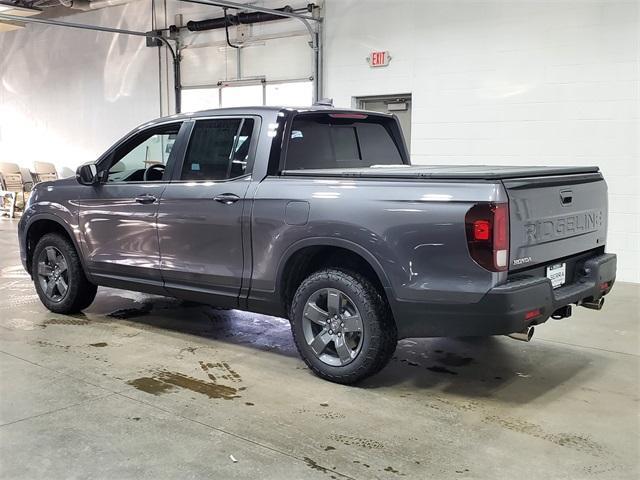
322,141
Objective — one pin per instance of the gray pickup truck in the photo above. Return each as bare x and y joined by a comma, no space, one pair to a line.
317,215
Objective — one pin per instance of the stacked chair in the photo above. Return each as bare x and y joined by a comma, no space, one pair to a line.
44,172
16,183
11,186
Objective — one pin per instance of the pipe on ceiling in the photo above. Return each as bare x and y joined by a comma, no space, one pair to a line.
252,8
241,18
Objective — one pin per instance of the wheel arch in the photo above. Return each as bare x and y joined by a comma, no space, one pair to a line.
42,224
308,255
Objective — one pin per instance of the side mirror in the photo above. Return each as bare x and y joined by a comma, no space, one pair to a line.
87,174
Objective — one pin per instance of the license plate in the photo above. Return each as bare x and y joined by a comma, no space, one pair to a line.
557,274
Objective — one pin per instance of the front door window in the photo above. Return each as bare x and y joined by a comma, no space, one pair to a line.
144,157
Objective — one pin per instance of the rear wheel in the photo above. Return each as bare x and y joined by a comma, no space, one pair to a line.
58,275
342,326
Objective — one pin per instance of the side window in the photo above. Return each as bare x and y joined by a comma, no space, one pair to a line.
145,156
218,149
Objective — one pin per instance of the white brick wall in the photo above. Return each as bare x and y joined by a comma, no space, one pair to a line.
497,82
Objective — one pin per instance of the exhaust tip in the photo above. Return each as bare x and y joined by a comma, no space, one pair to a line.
524,336
593,304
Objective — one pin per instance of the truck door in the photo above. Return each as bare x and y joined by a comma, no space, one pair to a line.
200,217
117,217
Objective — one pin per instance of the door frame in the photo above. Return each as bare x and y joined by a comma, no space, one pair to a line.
359,100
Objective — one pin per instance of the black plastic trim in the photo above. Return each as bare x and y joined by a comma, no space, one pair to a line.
502,310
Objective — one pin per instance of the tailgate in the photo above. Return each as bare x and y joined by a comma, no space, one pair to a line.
553,217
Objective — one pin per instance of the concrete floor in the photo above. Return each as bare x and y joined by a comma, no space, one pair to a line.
149,387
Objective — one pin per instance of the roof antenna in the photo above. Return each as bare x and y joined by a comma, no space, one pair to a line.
324,102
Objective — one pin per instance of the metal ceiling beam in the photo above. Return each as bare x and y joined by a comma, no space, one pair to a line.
314,34
82,26
98,28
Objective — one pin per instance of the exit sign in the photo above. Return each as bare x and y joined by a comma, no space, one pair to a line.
379,59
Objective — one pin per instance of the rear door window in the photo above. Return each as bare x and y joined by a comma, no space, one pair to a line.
218,149
323,141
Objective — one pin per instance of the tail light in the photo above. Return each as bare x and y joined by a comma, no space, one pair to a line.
531,314
487,226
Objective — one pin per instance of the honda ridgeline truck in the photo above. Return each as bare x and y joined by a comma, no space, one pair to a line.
317,215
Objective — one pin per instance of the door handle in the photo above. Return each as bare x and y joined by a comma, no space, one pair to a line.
566,197
145,199
226,198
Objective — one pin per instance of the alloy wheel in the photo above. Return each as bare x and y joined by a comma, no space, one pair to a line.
53,274
332,327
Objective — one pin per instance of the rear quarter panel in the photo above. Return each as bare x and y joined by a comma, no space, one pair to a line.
412,232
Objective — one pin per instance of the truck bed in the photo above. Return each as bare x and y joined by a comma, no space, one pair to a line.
555,212
444,172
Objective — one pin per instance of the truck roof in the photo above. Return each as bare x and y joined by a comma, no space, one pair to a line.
257,110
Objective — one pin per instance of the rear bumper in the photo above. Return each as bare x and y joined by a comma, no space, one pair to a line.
503,309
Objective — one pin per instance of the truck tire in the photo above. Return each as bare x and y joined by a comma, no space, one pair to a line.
342,326
58,276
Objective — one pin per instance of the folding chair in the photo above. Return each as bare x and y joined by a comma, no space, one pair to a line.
7,199
44,172
13,181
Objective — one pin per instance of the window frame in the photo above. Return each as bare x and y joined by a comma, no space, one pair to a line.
176,172
109,159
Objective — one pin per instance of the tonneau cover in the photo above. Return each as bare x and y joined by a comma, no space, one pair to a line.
470,172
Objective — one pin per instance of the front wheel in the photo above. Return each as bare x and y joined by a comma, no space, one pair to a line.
58,276
342,326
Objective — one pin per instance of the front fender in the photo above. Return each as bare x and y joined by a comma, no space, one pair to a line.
52,202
